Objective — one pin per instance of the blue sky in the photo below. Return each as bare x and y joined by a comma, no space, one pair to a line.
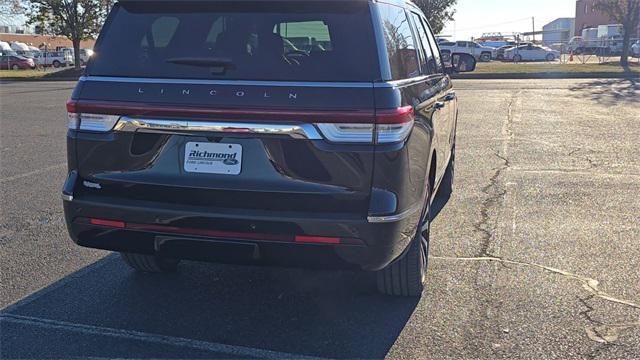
475,17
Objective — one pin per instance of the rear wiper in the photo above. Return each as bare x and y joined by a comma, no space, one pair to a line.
217,64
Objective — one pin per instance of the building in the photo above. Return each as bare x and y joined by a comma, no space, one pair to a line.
40,41
13,21
587,16
558,31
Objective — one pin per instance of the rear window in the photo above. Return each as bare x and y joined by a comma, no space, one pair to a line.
400,43
289,41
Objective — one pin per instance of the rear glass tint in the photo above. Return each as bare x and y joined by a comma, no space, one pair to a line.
290,41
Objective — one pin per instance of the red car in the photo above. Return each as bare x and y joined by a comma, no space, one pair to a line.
16,63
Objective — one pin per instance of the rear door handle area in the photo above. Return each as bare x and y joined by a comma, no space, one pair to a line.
450,96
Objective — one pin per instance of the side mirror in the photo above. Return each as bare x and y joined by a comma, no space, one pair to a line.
462,62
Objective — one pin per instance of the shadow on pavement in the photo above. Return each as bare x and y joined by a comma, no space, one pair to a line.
300,312
609,91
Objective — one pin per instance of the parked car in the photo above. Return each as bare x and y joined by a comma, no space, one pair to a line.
26,53
604,46
635,49
247,156
85,55
16,62
54,58
481,53
531,52
500,51
8,53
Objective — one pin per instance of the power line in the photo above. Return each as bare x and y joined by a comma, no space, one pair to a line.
492,25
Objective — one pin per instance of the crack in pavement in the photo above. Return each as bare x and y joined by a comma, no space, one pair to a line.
599,332
492,190
589,284
494,195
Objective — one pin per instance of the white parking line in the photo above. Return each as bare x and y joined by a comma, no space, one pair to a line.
35,172
222,349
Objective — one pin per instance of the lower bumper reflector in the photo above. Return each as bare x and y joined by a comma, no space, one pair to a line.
300,239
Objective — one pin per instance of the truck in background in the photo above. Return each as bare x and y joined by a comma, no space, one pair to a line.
604,40
480,52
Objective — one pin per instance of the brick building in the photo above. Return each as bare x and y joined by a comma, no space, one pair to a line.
588,17
52,42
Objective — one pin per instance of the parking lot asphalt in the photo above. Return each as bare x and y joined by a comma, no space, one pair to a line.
536,255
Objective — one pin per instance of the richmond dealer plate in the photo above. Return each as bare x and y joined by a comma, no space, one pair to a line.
213,158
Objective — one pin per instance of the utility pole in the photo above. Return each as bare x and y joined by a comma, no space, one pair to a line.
533,20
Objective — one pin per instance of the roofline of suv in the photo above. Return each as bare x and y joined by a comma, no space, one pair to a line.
394,2
380,84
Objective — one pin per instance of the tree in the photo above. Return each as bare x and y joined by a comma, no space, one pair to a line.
10,11
76,19
627,13
438,12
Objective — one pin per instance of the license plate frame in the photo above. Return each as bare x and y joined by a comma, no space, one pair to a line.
213,158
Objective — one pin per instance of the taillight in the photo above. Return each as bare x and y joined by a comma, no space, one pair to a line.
394,125
79,120
348,133
350,127
390,126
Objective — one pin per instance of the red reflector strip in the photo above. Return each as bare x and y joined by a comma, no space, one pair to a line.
317,240
222,234
208,233
107,223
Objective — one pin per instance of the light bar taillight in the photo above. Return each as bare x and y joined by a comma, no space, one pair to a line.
348,133
390,126
350,127
89,122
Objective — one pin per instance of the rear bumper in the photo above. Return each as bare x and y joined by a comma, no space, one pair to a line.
366,245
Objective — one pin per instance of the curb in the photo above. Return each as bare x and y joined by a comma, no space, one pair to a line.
522,76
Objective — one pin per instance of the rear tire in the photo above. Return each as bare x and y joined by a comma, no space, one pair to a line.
15,67
407,275
485,57
517,58
150,263
551,57
57,64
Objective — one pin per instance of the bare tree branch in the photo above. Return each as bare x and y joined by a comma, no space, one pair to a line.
438,12
627,13
76,19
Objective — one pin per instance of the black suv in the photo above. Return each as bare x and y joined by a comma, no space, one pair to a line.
292,133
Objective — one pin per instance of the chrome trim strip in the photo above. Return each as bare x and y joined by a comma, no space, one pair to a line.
367,85
406,82
296,131
395,218
66,197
